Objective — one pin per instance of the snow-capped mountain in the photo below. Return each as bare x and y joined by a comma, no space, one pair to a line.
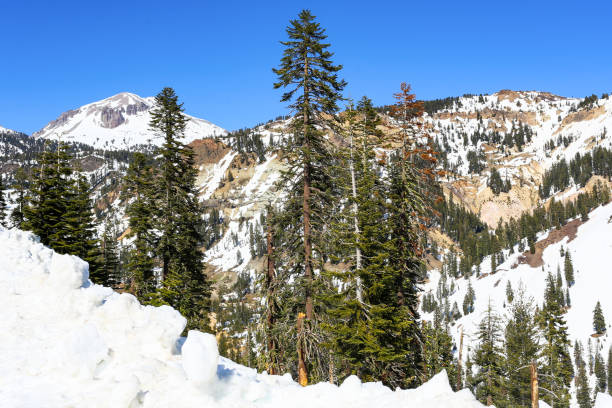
5,130
118,122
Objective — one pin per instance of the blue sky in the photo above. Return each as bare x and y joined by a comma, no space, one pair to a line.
55,56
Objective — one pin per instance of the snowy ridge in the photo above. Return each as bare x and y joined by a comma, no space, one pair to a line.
67,342
119,122
590,253
5,130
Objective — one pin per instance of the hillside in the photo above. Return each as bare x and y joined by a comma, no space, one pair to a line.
590,252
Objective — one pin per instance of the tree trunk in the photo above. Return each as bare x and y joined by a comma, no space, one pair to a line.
534,386
306,203
302,373
356,224
459,382
271,306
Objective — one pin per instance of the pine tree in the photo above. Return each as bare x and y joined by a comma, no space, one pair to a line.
3,205
600,372
569,270
50,191
509,292
138,192
610,371
583,393
110,257
468,301
356,333
81,222
521,347
557,366
488,356
437,349
313,90
531,241
599,323
60,209
20,186
405,205
184,285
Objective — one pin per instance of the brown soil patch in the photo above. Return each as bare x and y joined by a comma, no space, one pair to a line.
554,236
208,151
498,117
581,115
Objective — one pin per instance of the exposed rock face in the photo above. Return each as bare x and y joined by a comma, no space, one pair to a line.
111,118
135,108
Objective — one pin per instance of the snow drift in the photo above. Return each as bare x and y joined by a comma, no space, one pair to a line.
67,342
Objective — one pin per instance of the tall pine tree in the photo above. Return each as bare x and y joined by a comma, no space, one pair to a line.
313,89
179,215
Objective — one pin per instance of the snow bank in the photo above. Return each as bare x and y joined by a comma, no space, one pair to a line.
66,342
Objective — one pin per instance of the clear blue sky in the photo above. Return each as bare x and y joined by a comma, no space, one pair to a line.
55,56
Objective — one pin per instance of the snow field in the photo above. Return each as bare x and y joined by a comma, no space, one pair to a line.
591,253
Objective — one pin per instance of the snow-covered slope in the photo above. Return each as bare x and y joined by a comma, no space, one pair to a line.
5,130
118,122
591,253
65,342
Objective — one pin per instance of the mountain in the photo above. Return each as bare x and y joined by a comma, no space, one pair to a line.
7,131
118,122
587,243
68,342
504,154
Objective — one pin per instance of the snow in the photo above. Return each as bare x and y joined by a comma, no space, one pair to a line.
66,342
5,130
85,125
590,252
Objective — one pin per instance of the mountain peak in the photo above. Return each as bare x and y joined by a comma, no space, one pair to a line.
120,121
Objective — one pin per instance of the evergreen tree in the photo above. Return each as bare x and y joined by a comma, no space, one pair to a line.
110,257
3,205
557,366
437,349
81,221
531,241
600,372
521,348
583,393
468,301
599,323
569,269
50,194
313,90
610,371
489,358
509,292
180,217
20,186
138,192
